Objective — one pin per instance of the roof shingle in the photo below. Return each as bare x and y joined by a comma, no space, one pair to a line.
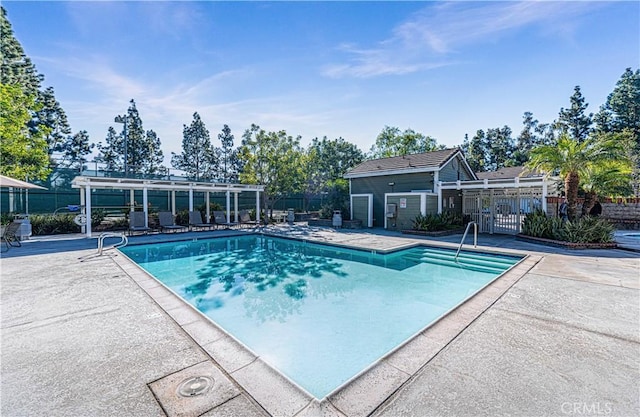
434,159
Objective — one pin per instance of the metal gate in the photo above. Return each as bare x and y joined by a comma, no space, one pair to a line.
501,210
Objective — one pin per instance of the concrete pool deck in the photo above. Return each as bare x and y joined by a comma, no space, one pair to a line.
87,335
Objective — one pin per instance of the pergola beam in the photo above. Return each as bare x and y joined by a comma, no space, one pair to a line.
86,184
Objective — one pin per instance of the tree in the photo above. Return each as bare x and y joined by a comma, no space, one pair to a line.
390,142
273,159
15,66
53,117
475,151
23,154
112,152
140,148
622,109
75,149
573,120
533,134
228,156
500,148
327,161
197,159
572,159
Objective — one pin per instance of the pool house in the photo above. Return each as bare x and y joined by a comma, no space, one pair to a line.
391,192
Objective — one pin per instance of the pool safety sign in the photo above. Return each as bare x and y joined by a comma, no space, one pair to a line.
403,203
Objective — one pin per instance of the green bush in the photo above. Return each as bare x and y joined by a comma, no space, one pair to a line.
583,230
437,222
48,224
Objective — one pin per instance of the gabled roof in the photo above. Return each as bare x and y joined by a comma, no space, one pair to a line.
419,162
508,172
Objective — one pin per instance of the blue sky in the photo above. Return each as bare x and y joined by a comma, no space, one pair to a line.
329,69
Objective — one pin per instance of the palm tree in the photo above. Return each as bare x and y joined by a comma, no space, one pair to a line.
609,178
574,160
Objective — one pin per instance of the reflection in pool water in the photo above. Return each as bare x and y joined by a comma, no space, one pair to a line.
319,314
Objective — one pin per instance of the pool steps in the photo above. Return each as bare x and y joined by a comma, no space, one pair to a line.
465,260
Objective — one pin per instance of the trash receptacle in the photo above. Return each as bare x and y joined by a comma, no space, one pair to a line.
337,218
291,216
24,231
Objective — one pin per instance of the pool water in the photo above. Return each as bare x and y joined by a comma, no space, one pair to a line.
319,314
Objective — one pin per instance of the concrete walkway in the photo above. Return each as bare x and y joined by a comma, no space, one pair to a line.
81,337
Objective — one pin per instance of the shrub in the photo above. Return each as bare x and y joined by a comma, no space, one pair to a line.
437,222
583,230
48,224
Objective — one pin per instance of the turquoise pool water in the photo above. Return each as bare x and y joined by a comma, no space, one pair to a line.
319,314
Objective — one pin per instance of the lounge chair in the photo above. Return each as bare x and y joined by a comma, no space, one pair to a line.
9,236
165,219
195,220
136,222
221,220
245,218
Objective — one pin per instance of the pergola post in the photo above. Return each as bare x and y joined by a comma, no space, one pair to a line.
145,206
258,206
544,196
173,202
82,205
190,198
132,200
208,204
228,206
87,196
235,206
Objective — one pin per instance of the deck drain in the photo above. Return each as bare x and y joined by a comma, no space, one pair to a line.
195,386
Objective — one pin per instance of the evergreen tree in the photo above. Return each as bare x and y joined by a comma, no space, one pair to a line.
573,120
501,148
622,109
228,156
15,66
153,155
75,149
140,148
197,159
112,153
53,117
476,151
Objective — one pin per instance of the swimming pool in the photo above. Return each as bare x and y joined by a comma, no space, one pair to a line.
319,314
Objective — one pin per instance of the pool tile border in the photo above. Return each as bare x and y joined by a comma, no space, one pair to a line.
361,396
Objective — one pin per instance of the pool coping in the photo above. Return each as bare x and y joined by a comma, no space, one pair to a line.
367,391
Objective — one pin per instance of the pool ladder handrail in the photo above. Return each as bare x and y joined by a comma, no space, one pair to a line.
464,236
105,235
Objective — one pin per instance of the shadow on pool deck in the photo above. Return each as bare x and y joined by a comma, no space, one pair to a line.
83,338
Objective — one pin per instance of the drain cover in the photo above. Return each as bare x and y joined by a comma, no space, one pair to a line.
195,386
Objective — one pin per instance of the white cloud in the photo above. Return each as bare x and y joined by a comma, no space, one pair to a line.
430,37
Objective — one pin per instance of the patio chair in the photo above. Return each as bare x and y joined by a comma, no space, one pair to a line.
221,220
246,219
195,220
137,222
165,219
9,236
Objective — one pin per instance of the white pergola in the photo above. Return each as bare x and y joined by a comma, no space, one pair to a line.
86,184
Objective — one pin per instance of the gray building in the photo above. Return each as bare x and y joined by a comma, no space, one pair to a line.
391,192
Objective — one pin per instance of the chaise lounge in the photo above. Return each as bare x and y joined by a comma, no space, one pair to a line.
165,219
195,220
137,222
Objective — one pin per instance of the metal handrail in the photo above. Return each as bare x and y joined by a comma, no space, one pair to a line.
475,238
120,244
